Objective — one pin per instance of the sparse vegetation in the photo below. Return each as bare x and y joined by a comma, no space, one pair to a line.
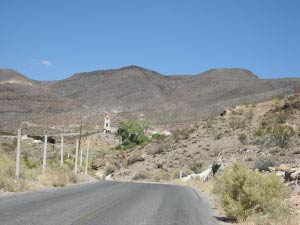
281,117
9,146
158,136
182,134
243,138
195,166
135,158
237,123
263,164
109,169
141,176
281,135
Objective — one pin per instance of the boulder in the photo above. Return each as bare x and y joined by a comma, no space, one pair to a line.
295,175
283,167
109,177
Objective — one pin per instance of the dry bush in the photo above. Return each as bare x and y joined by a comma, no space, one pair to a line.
244,193
161,176
9,147
282,134
8,180
141,176
109,169
237,123
263,164
135,158
181,134
243,138
158,149
60,177
281,117
196,166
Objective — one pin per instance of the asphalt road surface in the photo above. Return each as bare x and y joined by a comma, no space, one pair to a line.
107,203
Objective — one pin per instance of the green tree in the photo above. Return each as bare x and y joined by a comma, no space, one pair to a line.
132,133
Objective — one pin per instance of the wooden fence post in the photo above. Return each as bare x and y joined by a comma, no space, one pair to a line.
76,156
18,154
87,158
80,160
62,151
45,153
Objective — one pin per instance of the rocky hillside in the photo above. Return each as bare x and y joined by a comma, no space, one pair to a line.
131,92
261,135
25,100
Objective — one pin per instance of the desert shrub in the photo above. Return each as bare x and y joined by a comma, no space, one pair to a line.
243,138
127,144
30,164
209,123
263,164
249,115
157,149
282,134
196,166
109,169
218,136
237,123
135,158
58,177
244,192
261,135
7,174
183,134
69,163
161,176
9,147
141,176
158,136
281,117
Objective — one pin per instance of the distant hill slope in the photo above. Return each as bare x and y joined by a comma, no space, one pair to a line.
22,99
134,92
8,76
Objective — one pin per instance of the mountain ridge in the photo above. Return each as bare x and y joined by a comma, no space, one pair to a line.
132,91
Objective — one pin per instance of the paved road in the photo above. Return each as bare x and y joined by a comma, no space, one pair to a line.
107,203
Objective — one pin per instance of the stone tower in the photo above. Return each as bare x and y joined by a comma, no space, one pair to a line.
106,126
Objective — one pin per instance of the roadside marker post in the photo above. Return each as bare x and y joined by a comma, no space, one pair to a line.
180,174
76,156
62,151
87,158
18,154
45,153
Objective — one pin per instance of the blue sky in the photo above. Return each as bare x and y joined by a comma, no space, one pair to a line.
50,40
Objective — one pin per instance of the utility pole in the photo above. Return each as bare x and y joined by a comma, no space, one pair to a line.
62,151
87,158
45,153
76,156
18,154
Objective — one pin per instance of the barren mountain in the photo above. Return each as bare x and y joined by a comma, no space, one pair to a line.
25,100
133,92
